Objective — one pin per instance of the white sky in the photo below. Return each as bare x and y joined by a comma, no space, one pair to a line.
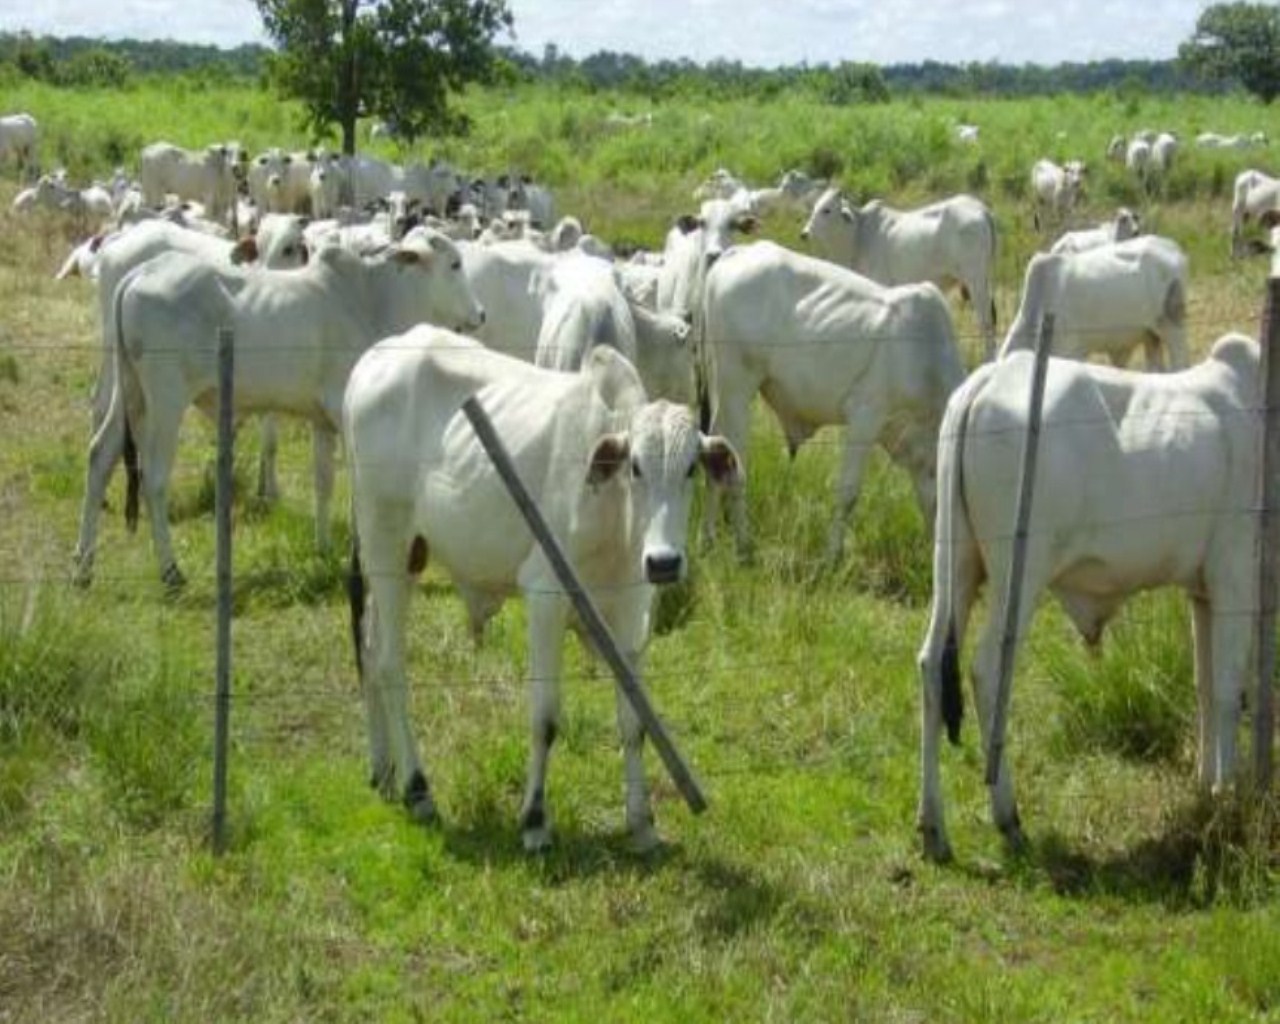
756,32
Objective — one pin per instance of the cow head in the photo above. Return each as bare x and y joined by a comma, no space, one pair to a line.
830,224
437,289
1128,224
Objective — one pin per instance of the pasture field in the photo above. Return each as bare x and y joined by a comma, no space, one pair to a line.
801,895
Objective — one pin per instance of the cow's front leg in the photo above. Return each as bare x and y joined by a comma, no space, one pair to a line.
323,442
548,615
862,428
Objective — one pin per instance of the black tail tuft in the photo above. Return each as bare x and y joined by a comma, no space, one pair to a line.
704,405
995,319
355,594
952,695
132,479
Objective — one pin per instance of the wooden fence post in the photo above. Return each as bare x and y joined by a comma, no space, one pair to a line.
222,518
1268,538
1017,563
626,676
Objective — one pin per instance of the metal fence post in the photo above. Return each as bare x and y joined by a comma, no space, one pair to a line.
1268,538
626,676
1017,563
222,517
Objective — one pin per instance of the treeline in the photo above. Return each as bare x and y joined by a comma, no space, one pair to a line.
78,61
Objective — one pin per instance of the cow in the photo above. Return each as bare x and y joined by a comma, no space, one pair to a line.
952,242
1124,225
967,133
611,472
206,176
720,184
826,346
1137,158
692,246
1256,197
20,142
48,193
1108,301
527,195
1142,481
1163,151
1213,140
297,335
1116,148
1055,190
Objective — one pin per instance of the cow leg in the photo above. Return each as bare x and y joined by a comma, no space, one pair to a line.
268,483
986,676
1231,647
1202,638
942,644
105,451
548,616
158,445
323,442
386,550
861,430
733,422
984,307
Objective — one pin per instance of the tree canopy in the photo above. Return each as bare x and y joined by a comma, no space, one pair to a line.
399,60
1238,41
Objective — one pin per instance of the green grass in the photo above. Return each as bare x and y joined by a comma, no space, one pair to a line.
799,896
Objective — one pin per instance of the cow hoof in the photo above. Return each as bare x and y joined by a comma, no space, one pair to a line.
1015,839
424,812
644,839
173,579
936,847
81,574
536,840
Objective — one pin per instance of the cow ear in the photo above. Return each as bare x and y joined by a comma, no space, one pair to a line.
609,455
245,250
1269,219
688,223
720,461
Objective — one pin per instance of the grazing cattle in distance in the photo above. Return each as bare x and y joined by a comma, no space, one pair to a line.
297,335
1142,481
1163,151
967,133
609,469
1213,140
206,176
1256,197
1116,148
825,346
48,193
1123,226
1137,157
1108,301
525,194
1055,190
950,243
20,141
720,184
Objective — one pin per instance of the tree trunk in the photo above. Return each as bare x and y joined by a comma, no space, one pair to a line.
348,101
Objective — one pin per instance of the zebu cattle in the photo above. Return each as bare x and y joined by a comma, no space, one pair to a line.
1256,197
1123,226
1108,301
950,243
206,176
825,346
20,141
1142,481
1055,190
611,472
297,335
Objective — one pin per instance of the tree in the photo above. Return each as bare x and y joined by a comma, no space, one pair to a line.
395,59
1238,41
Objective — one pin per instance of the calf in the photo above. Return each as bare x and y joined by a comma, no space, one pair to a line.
1142,481
609,470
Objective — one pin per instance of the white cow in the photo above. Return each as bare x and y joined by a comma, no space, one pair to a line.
20,141
1142,481
828,347
1137,158
1163,151
325,190
1213,140
950,243
206,176
297,335
1055,189
1108,301
611,472
720,184
527,195
1256,197
48,193
1123,226
967,133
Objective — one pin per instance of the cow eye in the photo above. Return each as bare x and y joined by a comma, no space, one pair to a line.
635,470
457,264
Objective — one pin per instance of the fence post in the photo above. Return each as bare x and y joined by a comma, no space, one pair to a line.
1268,540
222,518
1017,563
626,676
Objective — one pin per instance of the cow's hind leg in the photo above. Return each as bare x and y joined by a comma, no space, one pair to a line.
1202,637
268,483
157,448
548,616
323,443
861,432
105,451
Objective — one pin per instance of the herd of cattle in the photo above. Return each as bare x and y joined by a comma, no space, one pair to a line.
613,380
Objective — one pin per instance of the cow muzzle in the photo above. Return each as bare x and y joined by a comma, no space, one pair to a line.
664,567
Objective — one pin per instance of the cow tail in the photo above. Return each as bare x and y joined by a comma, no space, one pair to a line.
953,546
125,380
356,596
991,270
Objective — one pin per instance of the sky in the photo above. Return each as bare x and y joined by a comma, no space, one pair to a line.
763,33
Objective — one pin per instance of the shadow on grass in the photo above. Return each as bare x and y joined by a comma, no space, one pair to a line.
1207,852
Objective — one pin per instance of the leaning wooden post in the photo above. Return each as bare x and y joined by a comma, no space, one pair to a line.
1268,536
586,609
1018,561
222,517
